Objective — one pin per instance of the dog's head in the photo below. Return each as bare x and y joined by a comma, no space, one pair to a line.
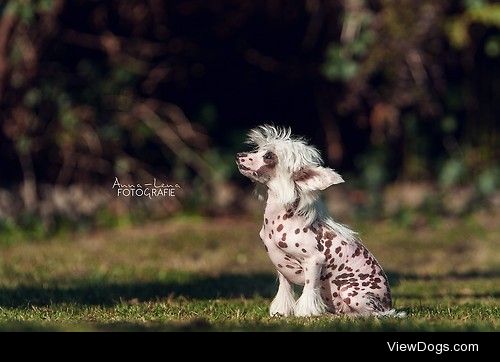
288,163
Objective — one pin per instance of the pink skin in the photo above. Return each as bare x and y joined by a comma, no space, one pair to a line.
249,165
342,274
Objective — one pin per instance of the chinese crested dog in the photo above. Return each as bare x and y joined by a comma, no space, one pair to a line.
304,243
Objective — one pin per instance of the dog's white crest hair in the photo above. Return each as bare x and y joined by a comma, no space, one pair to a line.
294,151
294,154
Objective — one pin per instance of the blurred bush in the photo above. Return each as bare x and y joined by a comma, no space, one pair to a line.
392,90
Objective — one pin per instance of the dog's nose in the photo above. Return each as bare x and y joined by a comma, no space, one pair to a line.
241,154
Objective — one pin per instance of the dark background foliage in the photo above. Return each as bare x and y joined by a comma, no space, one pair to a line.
391,91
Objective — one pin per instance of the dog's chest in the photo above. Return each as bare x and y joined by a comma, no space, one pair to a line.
287,245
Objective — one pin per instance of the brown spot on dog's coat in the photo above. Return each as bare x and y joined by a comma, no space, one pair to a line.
270,158
327,276
280,227
330,234
297,231
282,244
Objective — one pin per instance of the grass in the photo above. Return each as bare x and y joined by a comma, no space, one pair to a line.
202,274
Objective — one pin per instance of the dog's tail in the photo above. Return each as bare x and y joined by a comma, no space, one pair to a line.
391,313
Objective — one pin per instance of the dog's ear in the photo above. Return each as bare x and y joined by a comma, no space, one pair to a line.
316,178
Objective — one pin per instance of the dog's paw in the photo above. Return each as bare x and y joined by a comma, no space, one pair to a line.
282,305
310,304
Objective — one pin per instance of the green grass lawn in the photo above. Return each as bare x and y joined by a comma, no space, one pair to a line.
206,274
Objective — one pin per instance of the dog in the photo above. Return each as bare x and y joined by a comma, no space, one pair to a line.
304,243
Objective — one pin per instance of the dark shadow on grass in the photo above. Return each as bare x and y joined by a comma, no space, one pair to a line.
198,287
395,278
103,293
477,295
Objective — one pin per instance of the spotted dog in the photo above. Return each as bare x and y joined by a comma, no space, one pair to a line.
307,246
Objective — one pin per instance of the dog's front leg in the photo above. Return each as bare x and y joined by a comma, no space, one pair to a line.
310,302
284,301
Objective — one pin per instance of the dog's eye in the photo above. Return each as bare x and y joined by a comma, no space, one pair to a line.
268,156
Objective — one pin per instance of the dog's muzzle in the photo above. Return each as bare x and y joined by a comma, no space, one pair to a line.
239,156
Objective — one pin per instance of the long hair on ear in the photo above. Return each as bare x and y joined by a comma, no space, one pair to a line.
296,155
311,207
